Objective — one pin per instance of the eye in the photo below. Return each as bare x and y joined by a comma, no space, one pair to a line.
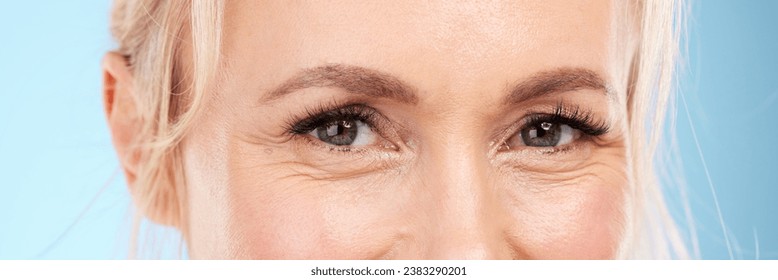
564,126
355,125
545,134
345,133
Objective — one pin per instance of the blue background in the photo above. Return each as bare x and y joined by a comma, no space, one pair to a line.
61,196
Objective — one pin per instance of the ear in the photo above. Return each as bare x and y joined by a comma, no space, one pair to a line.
121,112
125,122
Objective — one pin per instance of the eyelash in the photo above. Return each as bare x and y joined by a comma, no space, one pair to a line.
574,116
325,115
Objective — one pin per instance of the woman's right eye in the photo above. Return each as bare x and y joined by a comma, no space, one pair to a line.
347,132
355,125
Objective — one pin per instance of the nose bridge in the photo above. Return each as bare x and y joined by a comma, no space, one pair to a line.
466,224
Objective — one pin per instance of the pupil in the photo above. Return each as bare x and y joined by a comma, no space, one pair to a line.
544,134
340,133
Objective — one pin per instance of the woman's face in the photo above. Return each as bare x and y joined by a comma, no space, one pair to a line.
413,130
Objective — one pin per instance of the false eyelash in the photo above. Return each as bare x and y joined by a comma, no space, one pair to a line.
325,115
573,116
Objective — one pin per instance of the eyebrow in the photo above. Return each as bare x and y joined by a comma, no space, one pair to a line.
354,79
376,84
558,80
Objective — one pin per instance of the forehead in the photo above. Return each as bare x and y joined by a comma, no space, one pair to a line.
429,43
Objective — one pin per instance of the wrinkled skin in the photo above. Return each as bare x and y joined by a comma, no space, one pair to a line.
443,173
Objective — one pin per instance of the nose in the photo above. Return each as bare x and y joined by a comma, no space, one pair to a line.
468,221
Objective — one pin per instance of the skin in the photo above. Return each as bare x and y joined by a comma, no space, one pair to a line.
445,177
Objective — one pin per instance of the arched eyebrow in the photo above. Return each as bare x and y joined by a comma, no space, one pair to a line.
555,81
376,84
353,79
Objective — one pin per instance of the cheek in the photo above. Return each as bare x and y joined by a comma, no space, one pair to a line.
251,202
265,224
257,205
283,215
581,219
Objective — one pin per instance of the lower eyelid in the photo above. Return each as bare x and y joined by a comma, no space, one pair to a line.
318,144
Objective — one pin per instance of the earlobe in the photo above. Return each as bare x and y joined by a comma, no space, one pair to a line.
121,112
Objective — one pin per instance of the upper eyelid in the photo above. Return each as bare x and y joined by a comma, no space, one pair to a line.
365,113
310,113
574,113
507,131
592,127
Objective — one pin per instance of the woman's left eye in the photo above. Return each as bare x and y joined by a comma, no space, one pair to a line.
545,134
346,132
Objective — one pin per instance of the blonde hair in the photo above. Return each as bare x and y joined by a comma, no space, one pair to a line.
155,37
654,233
